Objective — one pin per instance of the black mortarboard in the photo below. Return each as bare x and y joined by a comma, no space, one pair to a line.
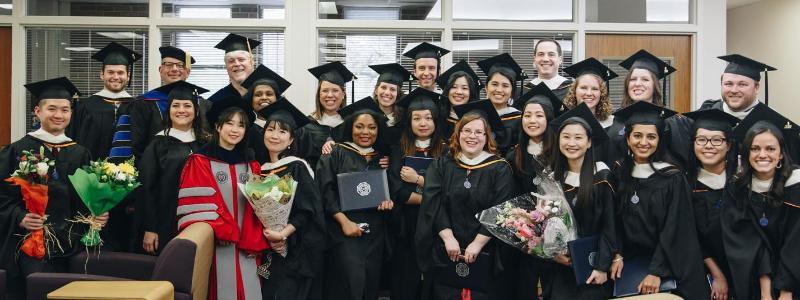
483,108
592,66
738,64
501,63
182,90
583,112
764,113
283,110
235,42
116,54
644,60
267,76
56,88
177,53
643,112
333,72
420,99
461,66
366,103
712,119
219,106
393,73
426,50
543,95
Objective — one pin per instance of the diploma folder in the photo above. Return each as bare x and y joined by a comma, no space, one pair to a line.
584,257
633,272
419,164
362,190
474,276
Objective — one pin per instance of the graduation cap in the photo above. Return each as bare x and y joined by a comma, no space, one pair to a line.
461,66
264,75
485,109
365,104
582,111
712,119
56,88
177,53
116,54
420,99
741,65
764,113
392,73
506,65
336,73
283,111
643,112
212,115
235,42
590,66
426,50
182,90
544,96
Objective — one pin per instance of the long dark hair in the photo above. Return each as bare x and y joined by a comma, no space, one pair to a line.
548,139
289,151
625,182
407,138
473,90
742,180
730,165
197,123
560,165
511,78
224,117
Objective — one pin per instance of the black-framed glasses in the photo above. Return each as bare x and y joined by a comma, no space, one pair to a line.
715,141
169,64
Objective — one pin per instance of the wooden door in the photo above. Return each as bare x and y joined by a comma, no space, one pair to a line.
675,49
5,86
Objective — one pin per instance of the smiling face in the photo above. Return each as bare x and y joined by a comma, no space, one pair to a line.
365,131
115,77
54,115
459,92
277,138
641,85
765,154
573,141
330,97
643,142
498,89
386,94
422,124
738,91
710,155
263,95
587,90
547,60
172,70
181,113
425,72
534,121
472,138
231,132
239,65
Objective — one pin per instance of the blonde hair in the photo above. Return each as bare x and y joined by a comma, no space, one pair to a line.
603,108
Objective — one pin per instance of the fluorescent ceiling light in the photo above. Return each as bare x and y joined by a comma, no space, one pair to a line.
328,8
7,6
121,35
64,59
81,49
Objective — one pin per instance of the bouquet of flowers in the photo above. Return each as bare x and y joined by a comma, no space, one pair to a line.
101,186
31,177
539,224
271,198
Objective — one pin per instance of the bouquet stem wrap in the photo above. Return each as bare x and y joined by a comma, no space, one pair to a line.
99,197
35,197
271,198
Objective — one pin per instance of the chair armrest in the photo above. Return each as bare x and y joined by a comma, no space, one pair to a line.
116,264
40,284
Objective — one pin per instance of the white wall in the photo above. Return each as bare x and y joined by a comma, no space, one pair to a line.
767,31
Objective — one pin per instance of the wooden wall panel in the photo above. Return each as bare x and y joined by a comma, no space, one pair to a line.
5,86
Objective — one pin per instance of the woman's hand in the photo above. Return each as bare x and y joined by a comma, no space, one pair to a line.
278,246
719,288
328,147
386,205
32,222
563,259
650,285
452,248
472,251
274,236
408,174
351,229
616,267
384,162
597,277
102,219
785,295
150,242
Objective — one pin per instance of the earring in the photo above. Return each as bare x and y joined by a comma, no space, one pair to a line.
780,164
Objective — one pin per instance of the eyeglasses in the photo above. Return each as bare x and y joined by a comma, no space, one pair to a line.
715,141
170,65
468,132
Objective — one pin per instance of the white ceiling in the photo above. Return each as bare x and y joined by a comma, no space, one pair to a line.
736,3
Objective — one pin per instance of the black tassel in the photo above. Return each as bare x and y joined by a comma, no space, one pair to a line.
664,89
352,91
130,75
766,87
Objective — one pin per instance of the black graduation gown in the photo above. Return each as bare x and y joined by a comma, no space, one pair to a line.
661,226
680,145
449,127
159,172
291,277
707,205
447,203
227,92
507,139
753,250
63,204
595,218
352,265
255,140
310,139
560,92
